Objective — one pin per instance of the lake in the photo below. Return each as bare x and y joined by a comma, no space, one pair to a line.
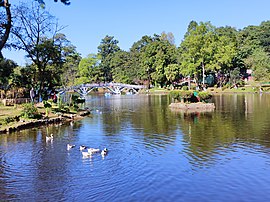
155,154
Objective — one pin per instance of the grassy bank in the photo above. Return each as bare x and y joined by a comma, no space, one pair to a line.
11,116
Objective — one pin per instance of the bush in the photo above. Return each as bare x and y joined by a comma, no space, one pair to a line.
181,95
185,88
188,96
204,96
30,111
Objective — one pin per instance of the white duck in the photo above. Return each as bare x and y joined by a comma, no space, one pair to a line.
104,152
82,147
49,138
86,154
70,146
93,151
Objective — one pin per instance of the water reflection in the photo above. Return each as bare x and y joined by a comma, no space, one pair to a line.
154,153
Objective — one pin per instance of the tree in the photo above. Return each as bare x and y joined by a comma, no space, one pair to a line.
35,32
197,49
5,24
259,62
6,69
6,21
107,47
172,73
155,57
122,71
89,70
135,53
70,69
168,37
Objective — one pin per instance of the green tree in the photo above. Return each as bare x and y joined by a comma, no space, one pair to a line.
172,72
259,62
106,49
89,70
135,53
197,49
35,31
207,49
122,71
155,57
6,70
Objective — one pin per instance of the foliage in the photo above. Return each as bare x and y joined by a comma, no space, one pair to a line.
181,95
6,69
155,57
204,96
30,111
206,49
107,47
36,32
186,95
89,70
259,62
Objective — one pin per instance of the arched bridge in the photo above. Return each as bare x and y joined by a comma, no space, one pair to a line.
115,88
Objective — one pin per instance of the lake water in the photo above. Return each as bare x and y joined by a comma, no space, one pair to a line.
155,154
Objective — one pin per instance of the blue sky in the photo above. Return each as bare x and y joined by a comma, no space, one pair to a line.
88,21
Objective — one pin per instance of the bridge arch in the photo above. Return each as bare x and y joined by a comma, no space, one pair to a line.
114,88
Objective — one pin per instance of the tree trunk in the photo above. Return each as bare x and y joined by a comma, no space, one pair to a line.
7,27
203,73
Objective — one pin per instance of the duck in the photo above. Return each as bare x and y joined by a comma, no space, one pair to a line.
86,154
93,151
70,146
104,152
49,138
82,147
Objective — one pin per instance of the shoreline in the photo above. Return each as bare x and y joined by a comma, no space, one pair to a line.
32,123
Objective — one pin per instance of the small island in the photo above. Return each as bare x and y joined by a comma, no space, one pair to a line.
191,101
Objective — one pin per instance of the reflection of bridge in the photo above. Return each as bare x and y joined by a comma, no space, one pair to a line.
115,88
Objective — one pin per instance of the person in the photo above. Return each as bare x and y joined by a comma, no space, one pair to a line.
197,96
54,98
32,94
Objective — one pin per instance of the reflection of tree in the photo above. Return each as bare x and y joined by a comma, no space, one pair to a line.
238,118
147,113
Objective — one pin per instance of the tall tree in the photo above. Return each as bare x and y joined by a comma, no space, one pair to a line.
88,70
168,36
5,24
135,53
6,21
259,62
6,69
122,71
35,31
107,47
197,49
155,57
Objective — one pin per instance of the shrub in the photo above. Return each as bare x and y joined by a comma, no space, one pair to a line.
185,88
204,96
188,95
30,111
181,95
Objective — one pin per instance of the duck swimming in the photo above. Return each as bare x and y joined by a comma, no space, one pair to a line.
104,152
70,146
93,151
82,147
49,138
86,154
